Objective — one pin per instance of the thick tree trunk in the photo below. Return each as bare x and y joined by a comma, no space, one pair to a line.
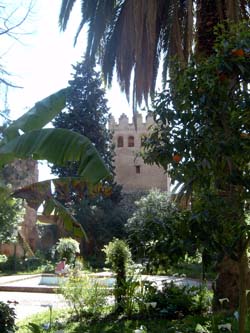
227,284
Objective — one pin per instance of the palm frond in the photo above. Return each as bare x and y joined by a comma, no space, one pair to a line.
100,17
66,8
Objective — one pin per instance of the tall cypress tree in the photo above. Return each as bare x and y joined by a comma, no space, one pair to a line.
88,114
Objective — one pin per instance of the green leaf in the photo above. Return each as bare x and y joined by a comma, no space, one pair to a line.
58,146
40,193
62,217
39,116
53,211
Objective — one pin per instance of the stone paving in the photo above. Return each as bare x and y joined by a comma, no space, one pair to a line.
28,303
31,303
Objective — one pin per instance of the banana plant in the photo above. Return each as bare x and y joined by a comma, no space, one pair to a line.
26,138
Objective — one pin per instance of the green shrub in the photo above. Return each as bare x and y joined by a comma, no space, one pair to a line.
118,255
32,264
7,318
47,267
84,295
3,258
67,248
177,301
12,263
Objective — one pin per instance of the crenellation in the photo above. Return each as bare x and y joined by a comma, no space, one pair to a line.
123,123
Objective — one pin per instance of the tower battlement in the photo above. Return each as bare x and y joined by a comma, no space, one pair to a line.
131,172
124,124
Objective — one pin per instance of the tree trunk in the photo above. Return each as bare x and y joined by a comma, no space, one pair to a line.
228,283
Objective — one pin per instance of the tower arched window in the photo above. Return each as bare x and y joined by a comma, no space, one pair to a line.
120,141
131,141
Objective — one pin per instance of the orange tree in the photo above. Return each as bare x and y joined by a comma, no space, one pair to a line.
202,138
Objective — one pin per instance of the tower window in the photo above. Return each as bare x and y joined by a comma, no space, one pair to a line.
131,141
120,141
138,169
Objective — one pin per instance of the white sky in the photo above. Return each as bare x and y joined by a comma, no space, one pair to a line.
41,61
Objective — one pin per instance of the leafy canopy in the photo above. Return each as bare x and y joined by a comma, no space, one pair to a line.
202,133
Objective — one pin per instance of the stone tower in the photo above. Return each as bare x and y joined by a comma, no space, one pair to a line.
131,172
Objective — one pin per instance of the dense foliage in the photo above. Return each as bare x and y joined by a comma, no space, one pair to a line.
158,232
102,220
86,113
11,209
7,318
202,134
11,216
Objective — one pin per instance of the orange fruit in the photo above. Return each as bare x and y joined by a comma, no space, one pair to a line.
176,158
238,52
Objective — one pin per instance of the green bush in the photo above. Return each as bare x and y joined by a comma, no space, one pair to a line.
118,255
3,258
12,263
174,301
7,318
84,295
67,248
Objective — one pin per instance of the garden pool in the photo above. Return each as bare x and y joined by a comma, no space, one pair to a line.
48,283
55,280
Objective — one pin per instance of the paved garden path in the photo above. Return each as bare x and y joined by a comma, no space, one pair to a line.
28,303
31,303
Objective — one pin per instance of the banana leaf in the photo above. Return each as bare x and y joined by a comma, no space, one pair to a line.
41,193
38,116
57,146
